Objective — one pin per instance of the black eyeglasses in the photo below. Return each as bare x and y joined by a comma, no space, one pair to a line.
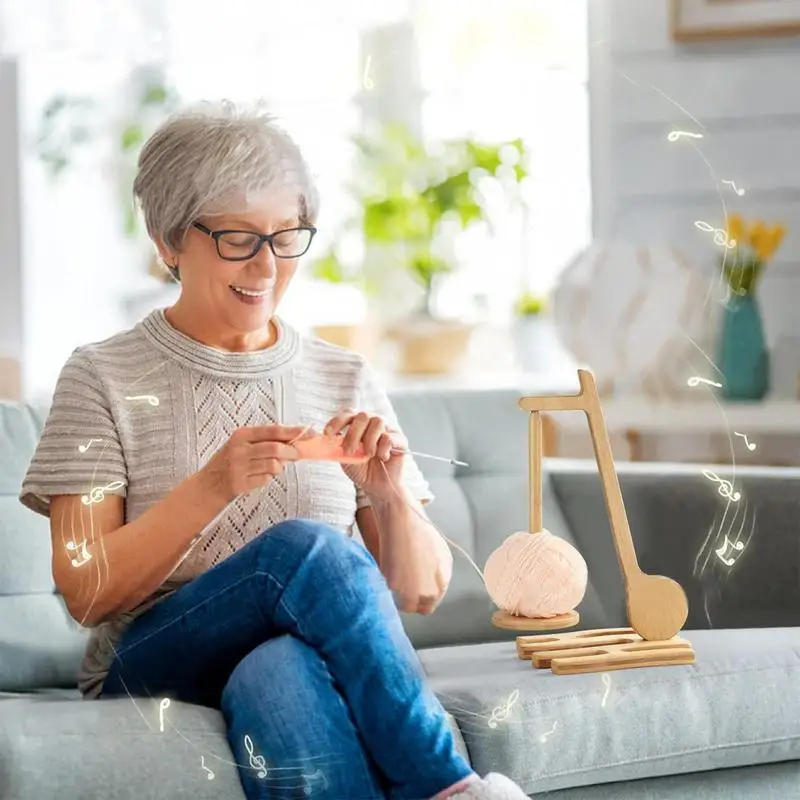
243,245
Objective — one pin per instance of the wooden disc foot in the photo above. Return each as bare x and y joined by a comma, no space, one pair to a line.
512,622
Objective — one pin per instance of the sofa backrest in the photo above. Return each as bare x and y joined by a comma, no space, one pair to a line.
477,507
40,644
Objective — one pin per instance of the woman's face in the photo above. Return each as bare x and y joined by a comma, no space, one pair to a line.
209,283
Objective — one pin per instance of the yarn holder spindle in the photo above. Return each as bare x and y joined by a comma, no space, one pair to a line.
656,606
516,622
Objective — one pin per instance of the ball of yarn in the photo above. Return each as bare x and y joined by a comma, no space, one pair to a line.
536,575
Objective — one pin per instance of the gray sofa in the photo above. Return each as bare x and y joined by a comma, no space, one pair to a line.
726,727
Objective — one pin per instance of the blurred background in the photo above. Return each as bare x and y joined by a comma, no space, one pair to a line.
510,190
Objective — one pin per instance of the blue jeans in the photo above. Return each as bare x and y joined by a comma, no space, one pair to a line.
297,639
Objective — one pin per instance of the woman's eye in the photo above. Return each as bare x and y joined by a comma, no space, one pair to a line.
239,239
285,238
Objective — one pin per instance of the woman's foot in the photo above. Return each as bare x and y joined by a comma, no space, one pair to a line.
493,787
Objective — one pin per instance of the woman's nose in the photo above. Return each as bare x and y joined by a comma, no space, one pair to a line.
265,260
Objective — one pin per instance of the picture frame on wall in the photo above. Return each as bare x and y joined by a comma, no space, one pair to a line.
708,20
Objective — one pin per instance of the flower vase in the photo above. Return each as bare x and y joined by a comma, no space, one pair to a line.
743,358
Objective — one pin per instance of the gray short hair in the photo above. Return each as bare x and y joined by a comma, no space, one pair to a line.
215,158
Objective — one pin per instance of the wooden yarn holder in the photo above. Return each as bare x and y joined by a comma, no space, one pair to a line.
656,606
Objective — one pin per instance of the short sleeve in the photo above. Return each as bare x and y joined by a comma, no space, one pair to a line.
374,400
79,451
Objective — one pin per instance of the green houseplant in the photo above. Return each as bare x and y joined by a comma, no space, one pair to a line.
532,332
413,199
72,123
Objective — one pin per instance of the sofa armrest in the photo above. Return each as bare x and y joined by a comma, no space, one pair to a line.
679,522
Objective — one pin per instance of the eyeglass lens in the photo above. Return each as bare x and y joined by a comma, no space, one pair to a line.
285,244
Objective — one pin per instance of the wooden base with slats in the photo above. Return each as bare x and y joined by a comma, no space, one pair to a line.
601,650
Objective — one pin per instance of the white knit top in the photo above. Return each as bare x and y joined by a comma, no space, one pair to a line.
143,410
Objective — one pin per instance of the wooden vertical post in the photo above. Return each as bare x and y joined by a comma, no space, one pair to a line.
535,434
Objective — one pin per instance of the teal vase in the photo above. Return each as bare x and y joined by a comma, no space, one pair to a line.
743,359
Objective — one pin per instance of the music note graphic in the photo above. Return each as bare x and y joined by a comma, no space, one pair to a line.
723,553
675,135
162,707
368,83
545,736
720,236
152,399
607,682
317,775
256,762
83,554
82,448
740,192
97,494
210,775
725,487
695,380
501,712
750,445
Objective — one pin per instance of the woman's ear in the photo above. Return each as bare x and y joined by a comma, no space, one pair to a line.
166,254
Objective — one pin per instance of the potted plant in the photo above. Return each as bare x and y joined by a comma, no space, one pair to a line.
743,357
530,332
71,123
413,200
347,283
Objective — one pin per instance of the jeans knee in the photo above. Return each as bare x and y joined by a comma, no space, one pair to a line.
276,669
306,535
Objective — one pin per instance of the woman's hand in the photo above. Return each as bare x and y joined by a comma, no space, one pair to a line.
250,459
379,478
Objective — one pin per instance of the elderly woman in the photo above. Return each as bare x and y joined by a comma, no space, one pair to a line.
211,563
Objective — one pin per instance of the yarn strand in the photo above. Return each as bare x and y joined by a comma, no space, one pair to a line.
450,543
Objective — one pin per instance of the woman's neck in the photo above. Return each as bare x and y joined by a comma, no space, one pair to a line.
231,341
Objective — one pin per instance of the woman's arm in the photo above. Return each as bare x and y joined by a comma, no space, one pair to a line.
128,562
411,553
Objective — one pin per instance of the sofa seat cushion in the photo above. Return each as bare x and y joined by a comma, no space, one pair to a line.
738,705
55,744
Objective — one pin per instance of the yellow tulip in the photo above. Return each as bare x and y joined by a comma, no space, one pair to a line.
735,228
757,236
778,232
768,242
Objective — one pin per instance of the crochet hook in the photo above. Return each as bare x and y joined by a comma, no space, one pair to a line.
452,461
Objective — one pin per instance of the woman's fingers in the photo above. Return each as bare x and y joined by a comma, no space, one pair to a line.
339,423
271,433
279,450
264,467
372,435
384,445
355,432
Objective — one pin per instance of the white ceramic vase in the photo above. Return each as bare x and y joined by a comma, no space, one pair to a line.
535,343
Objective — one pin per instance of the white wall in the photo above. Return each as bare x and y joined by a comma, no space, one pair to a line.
743,92
10,246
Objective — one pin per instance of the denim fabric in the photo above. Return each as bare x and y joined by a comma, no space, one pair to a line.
297,639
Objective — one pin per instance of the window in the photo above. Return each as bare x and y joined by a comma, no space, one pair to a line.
515,68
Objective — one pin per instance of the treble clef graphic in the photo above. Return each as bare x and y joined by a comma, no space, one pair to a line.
97,494
725,487
501,712
256,762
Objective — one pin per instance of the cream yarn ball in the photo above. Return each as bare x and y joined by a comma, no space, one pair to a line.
536,575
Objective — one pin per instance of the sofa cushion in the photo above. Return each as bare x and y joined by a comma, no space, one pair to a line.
738,705
55,744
